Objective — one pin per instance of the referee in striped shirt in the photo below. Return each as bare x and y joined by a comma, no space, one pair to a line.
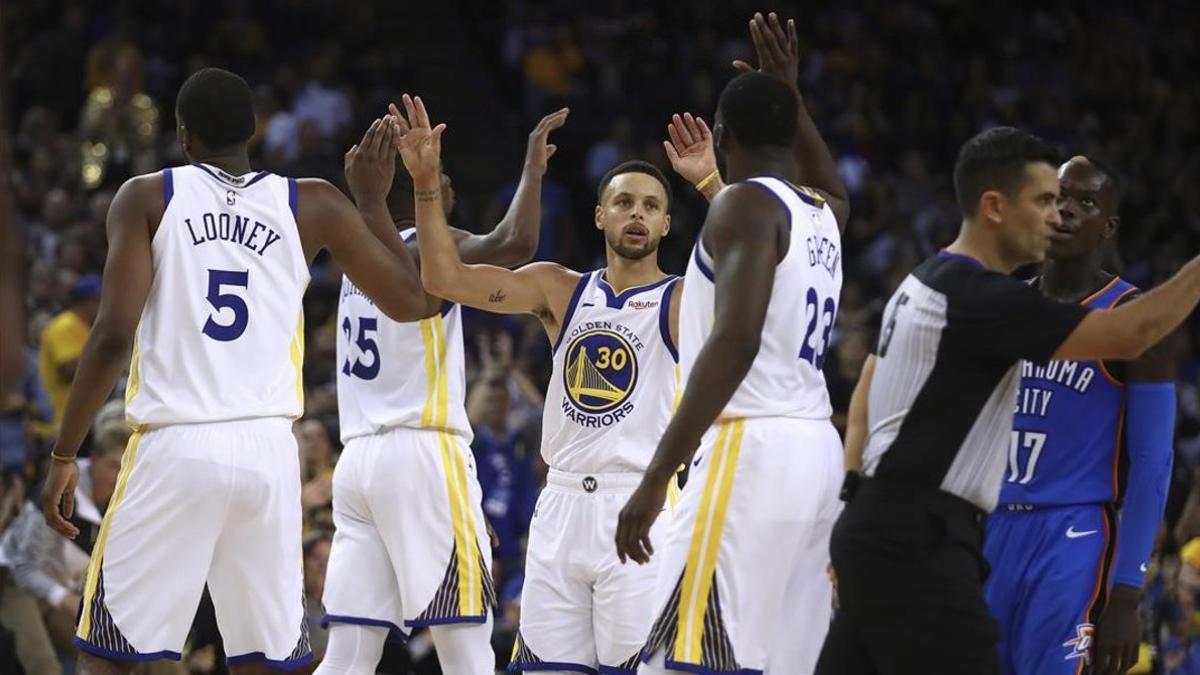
908,547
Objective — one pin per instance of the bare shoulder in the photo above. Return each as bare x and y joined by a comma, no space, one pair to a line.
140,199
556,282
317,196
737,214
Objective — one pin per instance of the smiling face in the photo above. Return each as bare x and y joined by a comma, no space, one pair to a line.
1087,204
633,215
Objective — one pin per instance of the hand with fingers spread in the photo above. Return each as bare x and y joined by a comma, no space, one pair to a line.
58,497
371,164
778,49
690,148
538,151
419,143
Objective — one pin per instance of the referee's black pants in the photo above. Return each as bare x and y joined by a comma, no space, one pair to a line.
910,571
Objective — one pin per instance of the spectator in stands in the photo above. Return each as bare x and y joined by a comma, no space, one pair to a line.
63,340
47,570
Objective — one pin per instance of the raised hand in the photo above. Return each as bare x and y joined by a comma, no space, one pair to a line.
778,49
371,164
538,152
690,148
419,143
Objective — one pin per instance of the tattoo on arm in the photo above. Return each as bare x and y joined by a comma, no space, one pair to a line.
427,195
498,296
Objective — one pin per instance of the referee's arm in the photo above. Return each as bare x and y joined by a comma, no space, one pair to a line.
1127,331
857,420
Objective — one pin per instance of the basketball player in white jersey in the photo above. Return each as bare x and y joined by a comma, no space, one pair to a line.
742,587
610,396
207,264
410,547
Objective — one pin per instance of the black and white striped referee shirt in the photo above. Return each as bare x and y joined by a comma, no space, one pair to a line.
945,385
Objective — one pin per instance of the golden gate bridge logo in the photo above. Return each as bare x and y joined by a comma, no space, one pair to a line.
601,371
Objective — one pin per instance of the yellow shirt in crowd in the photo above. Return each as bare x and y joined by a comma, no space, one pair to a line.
62,343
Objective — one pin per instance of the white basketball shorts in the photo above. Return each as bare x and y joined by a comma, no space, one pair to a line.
581,609
215,503
410,546
743,587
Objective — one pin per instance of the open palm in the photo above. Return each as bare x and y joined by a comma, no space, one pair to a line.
690,148
419,143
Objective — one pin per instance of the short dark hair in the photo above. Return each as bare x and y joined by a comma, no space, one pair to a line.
217,108
759,109
995,160
634,166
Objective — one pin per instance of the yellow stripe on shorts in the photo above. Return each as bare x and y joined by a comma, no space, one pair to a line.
135,370
297,353
93,571
430,341
436,414
705,544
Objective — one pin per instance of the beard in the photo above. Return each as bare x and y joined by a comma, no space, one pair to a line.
630,252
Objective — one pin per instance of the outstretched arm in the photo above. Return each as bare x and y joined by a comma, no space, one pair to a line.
515,238
487,287
363,240
1127,331
741,235
778,53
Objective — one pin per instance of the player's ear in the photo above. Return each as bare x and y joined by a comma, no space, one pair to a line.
184,137
991,206
666,225
1111,226
599,217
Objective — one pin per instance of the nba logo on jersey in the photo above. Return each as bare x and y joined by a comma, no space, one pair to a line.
600,375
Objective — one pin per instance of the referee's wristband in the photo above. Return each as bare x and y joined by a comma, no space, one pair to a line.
65,459
707,180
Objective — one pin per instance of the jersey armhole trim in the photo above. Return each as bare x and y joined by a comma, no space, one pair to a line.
664,319
566,320
168,188
703,266
293,198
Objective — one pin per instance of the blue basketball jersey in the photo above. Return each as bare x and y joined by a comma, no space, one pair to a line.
1067,432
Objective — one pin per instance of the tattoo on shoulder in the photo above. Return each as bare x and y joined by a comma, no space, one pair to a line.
498,296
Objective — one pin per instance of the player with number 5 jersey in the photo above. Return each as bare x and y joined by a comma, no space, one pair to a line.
410,547
207,266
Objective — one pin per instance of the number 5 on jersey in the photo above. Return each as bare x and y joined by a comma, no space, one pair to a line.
227,332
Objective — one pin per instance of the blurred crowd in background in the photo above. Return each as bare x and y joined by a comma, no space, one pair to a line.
895,87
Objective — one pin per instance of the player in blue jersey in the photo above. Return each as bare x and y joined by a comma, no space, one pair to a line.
1088,467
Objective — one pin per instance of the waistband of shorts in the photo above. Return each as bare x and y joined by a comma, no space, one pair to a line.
931,498
593,482
241,422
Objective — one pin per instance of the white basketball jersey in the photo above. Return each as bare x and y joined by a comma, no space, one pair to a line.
222,334
785,379
393,374
612,391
